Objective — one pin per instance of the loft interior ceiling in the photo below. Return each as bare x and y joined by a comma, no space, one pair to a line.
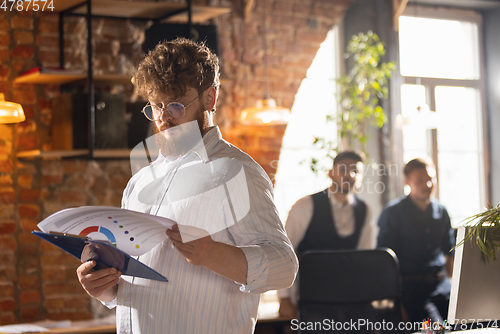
470,4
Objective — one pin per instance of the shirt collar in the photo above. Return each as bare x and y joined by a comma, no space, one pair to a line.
210,140
338,204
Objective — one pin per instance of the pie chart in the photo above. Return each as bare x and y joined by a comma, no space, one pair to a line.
99,229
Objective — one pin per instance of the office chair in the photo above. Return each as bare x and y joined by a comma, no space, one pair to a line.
340,288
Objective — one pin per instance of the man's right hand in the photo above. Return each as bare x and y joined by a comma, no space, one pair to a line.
287,309
100,284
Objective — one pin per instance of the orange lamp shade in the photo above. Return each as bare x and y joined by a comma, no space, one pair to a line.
10,112
265,113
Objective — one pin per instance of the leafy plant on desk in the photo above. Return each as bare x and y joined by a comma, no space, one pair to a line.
484,229
359,95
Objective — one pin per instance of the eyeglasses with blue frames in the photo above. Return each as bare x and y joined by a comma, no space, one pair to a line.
153,112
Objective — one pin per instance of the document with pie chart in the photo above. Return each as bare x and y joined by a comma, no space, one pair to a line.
108,235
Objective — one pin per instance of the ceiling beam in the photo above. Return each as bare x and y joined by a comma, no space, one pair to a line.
398,6
248,10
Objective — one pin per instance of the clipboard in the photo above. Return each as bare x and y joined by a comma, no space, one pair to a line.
105,254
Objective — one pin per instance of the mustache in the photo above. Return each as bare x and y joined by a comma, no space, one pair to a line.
163,127
201,118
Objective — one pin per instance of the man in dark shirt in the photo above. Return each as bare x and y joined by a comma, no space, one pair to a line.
419,231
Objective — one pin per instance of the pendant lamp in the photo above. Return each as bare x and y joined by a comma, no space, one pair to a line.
265,111
10,112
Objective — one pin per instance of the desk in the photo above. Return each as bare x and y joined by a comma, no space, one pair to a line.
102,329
272,323
267,323
102,326
473,331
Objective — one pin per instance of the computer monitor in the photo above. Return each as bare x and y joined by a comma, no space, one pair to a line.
475,288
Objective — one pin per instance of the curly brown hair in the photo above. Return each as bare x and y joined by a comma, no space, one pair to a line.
173,66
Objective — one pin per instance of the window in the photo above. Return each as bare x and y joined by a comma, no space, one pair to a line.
439,61
438,48
314,100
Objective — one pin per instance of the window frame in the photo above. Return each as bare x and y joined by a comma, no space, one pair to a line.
431,83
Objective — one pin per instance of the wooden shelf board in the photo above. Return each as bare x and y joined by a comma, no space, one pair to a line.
48,78
114,78
140,10
131,9
62,5
56,78
200,14
84,330
112,153
98,153
52,154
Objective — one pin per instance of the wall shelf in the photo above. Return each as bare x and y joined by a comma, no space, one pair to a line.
114,9
113,78
48,78
52,78
59,79
200,14
140,10
98,154
51,154
112,153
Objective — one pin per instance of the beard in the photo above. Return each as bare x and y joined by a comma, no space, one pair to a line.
178,139
343,187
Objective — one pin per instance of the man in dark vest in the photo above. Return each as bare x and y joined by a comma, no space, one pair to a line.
332,219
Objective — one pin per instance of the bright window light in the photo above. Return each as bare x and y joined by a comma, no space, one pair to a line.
314,100
460,152
415,138
438,48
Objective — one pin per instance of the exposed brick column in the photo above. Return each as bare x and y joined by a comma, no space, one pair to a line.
16,50
28,261
262,143
295,30
8,230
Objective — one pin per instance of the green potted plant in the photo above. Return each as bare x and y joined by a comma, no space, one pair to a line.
484,229
359,94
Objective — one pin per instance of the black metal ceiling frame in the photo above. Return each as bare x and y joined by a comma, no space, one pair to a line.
90,75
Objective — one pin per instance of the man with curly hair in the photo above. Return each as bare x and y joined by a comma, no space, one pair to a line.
228,245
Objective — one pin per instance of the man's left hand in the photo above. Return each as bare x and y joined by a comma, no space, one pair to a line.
223,259
198,251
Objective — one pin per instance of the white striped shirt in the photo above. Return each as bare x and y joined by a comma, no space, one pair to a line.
197,300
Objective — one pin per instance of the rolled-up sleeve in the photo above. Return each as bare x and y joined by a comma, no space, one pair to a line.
270,267
272,263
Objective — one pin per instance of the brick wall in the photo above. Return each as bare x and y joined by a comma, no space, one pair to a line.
294,31
37,281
